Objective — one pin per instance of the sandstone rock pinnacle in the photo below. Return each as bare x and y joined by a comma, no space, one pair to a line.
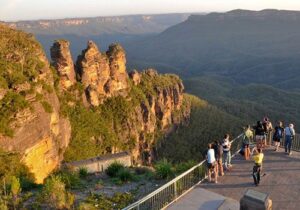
103,75
63,63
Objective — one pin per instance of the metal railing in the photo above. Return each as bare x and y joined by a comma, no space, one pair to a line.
174,189
295,143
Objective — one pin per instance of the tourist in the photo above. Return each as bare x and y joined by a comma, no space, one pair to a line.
258,159
259,134
247,138
226,152
278,135
218,148
289,136
211,164
268,127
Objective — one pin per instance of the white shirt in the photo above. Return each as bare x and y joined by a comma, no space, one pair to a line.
226,145
211,156
289,131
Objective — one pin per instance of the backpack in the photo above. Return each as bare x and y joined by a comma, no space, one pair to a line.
278,133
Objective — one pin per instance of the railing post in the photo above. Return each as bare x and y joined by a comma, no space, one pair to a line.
175,190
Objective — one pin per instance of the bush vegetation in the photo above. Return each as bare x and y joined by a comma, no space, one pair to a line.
117,201
206,124
55,195
114,168
83,172
19,64
164,170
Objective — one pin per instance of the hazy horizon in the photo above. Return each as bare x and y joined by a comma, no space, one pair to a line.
17,10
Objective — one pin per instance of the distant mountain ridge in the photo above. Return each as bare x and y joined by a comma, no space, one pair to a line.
129,24
103,30
240,44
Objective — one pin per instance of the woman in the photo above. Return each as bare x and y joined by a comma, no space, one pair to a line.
211,163
278,135
248,136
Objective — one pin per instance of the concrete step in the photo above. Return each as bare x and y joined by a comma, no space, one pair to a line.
201,199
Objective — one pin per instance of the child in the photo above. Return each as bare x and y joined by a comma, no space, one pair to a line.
258,160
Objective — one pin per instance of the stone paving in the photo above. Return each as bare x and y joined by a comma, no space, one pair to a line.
281,182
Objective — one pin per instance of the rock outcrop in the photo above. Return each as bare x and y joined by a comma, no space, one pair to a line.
103,75
63,63
40,135
135,77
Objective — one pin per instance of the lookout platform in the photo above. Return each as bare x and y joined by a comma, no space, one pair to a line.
281,182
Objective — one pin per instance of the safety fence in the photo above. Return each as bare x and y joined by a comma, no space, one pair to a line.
174,189
295,143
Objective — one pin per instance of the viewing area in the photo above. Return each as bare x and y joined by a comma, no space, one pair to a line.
191,191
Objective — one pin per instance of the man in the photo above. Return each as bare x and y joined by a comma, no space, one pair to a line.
258,159
218,148
211,163
226,152
268,127
289,136
278,135
259,134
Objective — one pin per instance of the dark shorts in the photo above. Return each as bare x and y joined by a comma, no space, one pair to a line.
211,165
277,139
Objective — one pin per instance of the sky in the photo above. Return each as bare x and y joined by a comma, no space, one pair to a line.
13,10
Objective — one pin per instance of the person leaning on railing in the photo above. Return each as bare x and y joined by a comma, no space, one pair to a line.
211,164
289,136
247,138
218,148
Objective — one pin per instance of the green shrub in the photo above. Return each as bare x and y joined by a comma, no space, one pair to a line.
70,179
114,168
125,175
163,170
86,206
15,186
121,200
47,87
55,195
116,181
47,107
3,204
9,105
10,165
103,202
182,167
83,172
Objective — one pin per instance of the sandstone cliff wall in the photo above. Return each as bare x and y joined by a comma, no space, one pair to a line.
41,107
40,135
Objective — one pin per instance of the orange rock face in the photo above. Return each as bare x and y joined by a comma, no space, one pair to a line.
102,74
63,63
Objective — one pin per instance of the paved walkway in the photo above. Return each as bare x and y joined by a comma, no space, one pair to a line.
282,181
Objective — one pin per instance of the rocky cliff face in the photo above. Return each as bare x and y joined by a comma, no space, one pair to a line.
118,111
63,63
153,101
34,126
103,75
